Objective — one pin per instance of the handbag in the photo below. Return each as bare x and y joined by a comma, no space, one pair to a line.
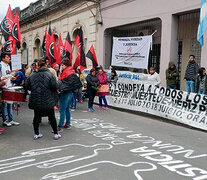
104,88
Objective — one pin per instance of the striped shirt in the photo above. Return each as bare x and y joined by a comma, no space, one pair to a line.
191,71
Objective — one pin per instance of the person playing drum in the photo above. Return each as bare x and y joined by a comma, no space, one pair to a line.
6,72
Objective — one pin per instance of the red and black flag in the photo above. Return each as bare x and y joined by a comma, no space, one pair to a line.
44,43
92,56
68,50
53,54
60,49
81,58
7,24
16,34
9,47
48,40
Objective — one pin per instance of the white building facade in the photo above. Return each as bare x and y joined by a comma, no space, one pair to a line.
64,16
176,23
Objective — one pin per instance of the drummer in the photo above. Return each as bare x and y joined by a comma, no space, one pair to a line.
6,72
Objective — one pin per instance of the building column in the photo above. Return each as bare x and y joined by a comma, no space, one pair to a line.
204,52
169,44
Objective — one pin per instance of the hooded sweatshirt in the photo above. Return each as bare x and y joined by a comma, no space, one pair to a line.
171,74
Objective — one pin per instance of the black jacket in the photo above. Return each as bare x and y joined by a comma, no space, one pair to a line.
91,80
71,83
43,86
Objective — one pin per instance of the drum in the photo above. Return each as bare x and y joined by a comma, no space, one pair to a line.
13,94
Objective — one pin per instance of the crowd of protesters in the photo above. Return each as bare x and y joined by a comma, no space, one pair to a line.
53,88
61,86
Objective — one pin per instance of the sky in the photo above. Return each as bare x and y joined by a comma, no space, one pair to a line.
4,4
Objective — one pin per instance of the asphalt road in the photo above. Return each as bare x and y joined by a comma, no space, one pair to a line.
103,145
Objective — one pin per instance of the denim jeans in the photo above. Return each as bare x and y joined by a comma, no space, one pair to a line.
201,92
173,86
104,99
190,86
9,111
65,102
74,100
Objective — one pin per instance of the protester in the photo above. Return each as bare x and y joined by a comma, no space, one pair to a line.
43,97
47,62
2,83
6,72
53,72
113,78
30,70
24,68
102,77
57,69
19,78
69,82
171,76
154,77
190,74
79,91
201,81
92,84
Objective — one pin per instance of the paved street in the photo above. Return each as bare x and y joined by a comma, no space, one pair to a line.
105,145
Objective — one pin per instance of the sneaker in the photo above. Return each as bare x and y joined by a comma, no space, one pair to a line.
14,123
90,110
7,123
106,108
67,126
81,101
99,107
37,136
93,109
2,129
59,129
56,136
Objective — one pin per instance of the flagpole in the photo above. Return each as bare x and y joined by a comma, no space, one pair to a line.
154,32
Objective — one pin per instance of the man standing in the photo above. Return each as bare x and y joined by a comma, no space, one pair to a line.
43,97
171,76
5,72
190,74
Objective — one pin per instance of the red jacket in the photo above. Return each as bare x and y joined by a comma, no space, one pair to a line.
67,72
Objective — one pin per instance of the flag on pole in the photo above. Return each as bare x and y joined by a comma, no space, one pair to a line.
53,54
81,58
48,41
6,28
92,56
60,49
202,22
44,43
7,24
68,50
16,33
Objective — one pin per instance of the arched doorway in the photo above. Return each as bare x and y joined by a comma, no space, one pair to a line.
24,53
37,51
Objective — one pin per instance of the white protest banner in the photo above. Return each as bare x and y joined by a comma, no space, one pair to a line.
177,105
16,62
131,51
